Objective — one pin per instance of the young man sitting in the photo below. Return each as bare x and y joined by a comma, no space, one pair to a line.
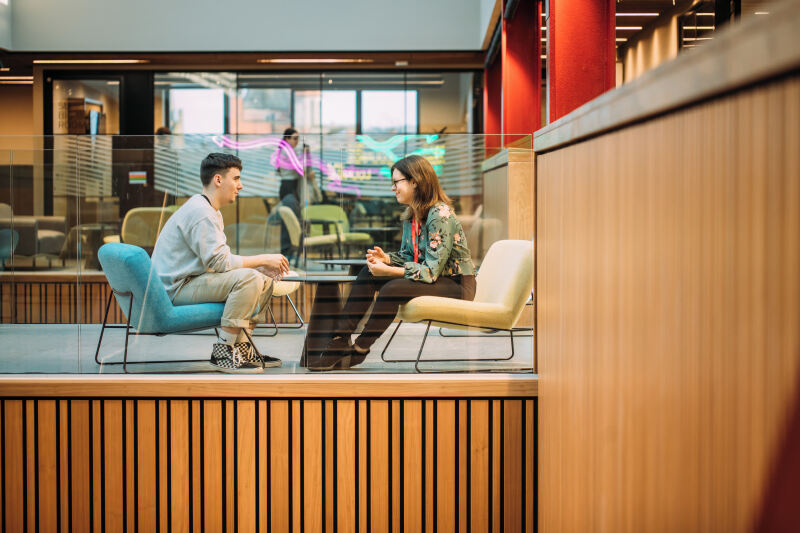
196,265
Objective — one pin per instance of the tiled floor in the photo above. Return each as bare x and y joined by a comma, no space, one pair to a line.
45,348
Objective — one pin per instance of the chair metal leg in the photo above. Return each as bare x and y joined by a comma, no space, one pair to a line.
103,329
419,359
284,325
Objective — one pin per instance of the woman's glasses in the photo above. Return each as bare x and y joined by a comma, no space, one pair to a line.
395,182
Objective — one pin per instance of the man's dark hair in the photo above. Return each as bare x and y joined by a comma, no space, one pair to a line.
217,163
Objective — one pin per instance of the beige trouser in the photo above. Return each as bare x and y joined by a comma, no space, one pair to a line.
246,293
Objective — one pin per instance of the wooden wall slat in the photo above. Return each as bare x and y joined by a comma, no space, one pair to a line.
514,466
397,466
296,458
146,464
264,454
479,465
245,465
530,497
362,444
64,465
329,450
346,464
213,454
30,462
313,465
179,486
380,462
229,466
669,299
280,461
214,465
446,442
14,475
47,483
112,459
163,462
429,462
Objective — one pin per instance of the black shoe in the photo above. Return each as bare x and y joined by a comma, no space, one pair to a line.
251,355
356,357
231,360
338,347
329,362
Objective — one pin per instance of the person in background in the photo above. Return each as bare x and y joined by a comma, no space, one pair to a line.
433,260
296,189
193,261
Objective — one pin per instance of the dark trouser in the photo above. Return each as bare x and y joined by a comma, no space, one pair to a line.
392,293
288,196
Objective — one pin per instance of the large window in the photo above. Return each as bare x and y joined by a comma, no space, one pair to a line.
315,103
389,111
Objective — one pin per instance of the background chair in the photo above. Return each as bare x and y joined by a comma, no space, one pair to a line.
37,235
504,284
145,303
142,225
300,241
329,212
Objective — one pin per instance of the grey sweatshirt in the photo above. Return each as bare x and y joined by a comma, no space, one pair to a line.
192,243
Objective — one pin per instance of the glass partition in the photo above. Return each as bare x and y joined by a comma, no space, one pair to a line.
323,200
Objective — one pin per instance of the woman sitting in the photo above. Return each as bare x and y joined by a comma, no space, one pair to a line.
433,260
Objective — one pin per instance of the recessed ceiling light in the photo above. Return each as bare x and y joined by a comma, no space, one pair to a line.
628,27
321,60
637,14
92,61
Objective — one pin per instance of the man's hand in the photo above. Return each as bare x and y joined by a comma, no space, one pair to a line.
376,254
273,265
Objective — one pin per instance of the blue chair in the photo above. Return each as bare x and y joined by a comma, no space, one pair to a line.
143,299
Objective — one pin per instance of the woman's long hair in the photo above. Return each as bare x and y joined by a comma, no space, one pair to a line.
429,191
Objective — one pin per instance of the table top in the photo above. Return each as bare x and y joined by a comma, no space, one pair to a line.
321,279
376,228
347,262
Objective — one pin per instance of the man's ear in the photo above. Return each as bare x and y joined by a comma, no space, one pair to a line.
217,179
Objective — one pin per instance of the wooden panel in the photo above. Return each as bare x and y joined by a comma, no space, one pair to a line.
479,510
446,457
47,482
513,467
313,448
213,457
286,386
146,464
412,459
669,299
280,466
346,465
190,465
362,445
14,472
112,451
380,461
179,465
81,449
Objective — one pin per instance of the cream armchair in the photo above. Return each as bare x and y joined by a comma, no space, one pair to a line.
504,284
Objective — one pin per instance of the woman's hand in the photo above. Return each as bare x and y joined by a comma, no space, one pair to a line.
378,255
382,270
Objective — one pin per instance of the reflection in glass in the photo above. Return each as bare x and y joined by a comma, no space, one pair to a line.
389,111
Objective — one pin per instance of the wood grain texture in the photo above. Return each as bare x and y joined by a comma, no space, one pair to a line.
669,299
235,464
273,386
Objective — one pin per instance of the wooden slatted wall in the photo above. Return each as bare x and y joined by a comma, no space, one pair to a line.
46,299
170,464
669,303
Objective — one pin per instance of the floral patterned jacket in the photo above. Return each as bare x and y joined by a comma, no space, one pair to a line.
442,248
